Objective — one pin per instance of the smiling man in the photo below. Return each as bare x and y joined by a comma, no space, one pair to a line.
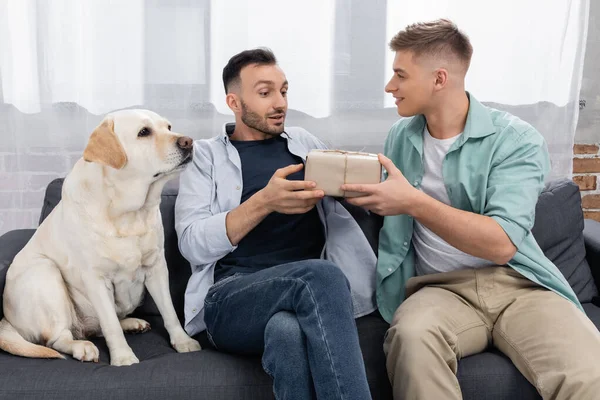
262,281
459,269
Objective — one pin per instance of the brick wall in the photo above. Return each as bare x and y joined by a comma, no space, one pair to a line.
23,180
586,171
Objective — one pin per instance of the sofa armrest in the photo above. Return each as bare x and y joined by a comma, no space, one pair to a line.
591,237
10,244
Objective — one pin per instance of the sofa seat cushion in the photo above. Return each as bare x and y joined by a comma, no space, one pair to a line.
491,375
161,374
164,374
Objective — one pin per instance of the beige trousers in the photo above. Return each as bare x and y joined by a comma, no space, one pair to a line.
456,314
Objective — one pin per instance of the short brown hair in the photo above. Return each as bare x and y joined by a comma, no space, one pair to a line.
436,38
259,56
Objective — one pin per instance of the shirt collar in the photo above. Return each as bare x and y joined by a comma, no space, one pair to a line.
479,123
229,127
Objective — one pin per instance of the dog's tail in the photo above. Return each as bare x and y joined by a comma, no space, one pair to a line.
12,342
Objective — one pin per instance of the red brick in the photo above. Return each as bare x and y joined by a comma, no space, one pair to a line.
585,149
591,201
582,165
592,215
585,182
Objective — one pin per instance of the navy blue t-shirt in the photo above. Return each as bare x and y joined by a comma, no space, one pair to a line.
279,238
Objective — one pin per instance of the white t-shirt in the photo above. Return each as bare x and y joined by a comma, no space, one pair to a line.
434,254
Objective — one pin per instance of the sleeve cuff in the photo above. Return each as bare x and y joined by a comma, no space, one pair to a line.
216,234
515,233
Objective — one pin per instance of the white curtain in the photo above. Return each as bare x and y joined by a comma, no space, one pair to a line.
64,63
528,59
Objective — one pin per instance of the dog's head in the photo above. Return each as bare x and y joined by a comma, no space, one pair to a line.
139,142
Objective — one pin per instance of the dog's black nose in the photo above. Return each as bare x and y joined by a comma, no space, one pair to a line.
185,142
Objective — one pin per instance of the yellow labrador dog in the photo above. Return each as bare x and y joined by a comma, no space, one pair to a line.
85,268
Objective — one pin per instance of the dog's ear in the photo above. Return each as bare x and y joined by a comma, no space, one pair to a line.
104,147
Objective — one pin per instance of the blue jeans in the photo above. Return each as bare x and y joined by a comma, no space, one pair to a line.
299,316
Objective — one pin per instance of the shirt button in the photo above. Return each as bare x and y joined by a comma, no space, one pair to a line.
406,243
389,270
237,187
194,310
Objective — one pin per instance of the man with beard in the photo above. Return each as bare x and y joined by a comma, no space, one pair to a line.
261,246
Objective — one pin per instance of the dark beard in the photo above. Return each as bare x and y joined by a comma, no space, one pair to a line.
255,121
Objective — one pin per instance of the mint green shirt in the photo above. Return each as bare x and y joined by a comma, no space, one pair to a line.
496,168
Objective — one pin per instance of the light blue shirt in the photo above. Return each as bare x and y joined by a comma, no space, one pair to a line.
211,186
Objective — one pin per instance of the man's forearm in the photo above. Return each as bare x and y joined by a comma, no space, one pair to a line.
245,217
474,234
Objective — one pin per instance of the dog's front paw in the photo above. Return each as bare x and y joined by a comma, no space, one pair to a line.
134,325
122,358
185,345
84,350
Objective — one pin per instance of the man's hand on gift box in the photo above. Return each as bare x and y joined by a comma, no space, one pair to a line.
280,195
289,196
394,196
475,234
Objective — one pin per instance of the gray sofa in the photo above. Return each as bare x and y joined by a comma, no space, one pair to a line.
572,243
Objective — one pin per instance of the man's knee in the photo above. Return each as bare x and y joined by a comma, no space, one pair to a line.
405,333
283,329
414,333
411,348
325,274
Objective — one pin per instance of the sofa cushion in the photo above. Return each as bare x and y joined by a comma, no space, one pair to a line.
12,243
558,230
164,374
161,374
492,375
51,198
591,234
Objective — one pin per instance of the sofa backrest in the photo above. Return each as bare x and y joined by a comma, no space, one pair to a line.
558,230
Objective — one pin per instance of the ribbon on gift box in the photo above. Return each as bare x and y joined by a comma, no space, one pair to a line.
346,155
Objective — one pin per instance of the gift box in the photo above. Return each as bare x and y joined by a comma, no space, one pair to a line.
330,169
